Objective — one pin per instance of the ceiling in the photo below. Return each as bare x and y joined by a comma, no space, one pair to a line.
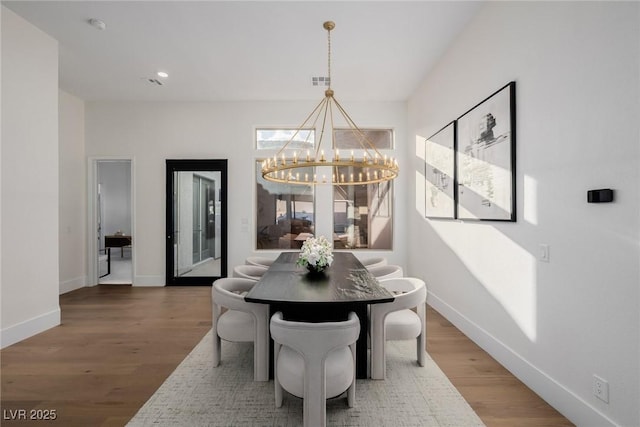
246,50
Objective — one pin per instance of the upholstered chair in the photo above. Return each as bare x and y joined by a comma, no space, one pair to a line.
241,322
388,271
395,320
258,260
253,272
373,262
315,361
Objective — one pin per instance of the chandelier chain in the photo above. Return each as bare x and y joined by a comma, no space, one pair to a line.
329,56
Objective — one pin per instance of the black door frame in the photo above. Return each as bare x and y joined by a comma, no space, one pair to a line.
195,165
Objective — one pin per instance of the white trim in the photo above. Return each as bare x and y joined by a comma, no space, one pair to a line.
564,400
149,281
92,236
72,284
29,328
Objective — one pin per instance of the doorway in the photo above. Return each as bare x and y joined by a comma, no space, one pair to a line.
204,218
112,247
196,248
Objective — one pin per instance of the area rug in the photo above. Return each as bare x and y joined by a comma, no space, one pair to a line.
196,394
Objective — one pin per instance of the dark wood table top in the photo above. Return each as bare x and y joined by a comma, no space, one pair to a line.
346,281
117,240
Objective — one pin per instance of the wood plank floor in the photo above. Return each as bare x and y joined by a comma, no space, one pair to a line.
117,345
499,398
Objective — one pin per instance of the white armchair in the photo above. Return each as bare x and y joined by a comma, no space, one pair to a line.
388,271
259,260
395,320
253,272
242,322
315,361
373,262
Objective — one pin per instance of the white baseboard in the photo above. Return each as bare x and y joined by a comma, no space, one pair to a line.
29,328
149,281
562,399
73,284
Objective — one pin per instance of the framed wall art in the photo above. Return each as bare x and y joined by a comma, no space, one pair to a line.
440,173
485,158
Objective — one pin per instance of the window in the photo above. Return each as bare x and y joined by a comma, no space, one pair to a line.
362,217
285,213
275,139
347,139
362,214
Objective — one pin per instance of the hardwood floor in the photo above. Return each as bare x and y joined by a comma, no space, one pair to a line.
117,344
499,398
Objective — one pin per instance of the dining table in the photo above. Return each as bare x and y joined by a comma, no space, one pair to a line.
346,286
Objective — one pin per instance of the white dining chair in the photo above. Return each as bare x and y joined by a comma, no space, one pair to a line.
315,361
395,320
388,271
253,272
241,322
373,262
259,260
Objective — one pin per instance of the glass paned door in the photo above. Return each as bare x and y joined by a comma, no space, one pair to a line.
196,221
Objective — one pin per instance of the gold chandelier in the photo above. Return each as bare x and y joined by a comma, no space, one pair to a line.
371,168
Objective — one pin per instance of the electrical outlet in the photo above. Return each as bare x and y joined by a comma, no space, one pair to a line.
600,389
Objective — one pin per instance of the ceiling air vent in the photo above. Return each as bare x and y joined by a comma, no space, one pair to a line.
320,81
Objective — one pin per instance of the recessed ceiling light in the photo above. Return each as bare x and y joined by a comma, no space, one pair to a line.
96,23
163,74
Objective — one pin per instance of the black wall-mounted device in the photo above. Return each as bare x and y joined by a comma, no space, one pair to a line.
604,195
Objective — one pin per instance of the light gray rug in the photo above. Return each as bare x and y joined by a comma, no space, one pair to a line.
196,394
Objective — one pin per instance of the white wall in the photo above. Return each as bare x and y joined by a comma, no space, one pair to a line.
553,324
153,132
72,194
29,180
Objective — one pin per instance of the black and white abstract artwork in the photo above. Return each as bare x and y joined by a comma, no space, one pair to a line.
439,173
485,158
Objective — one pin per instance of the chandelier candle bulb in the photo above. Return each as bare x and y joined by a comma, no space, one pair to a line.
337,157
352,156
295,158
322,159
308,156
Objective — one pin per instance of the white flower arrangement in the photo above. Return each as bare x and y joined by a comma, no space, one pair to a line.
315,254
